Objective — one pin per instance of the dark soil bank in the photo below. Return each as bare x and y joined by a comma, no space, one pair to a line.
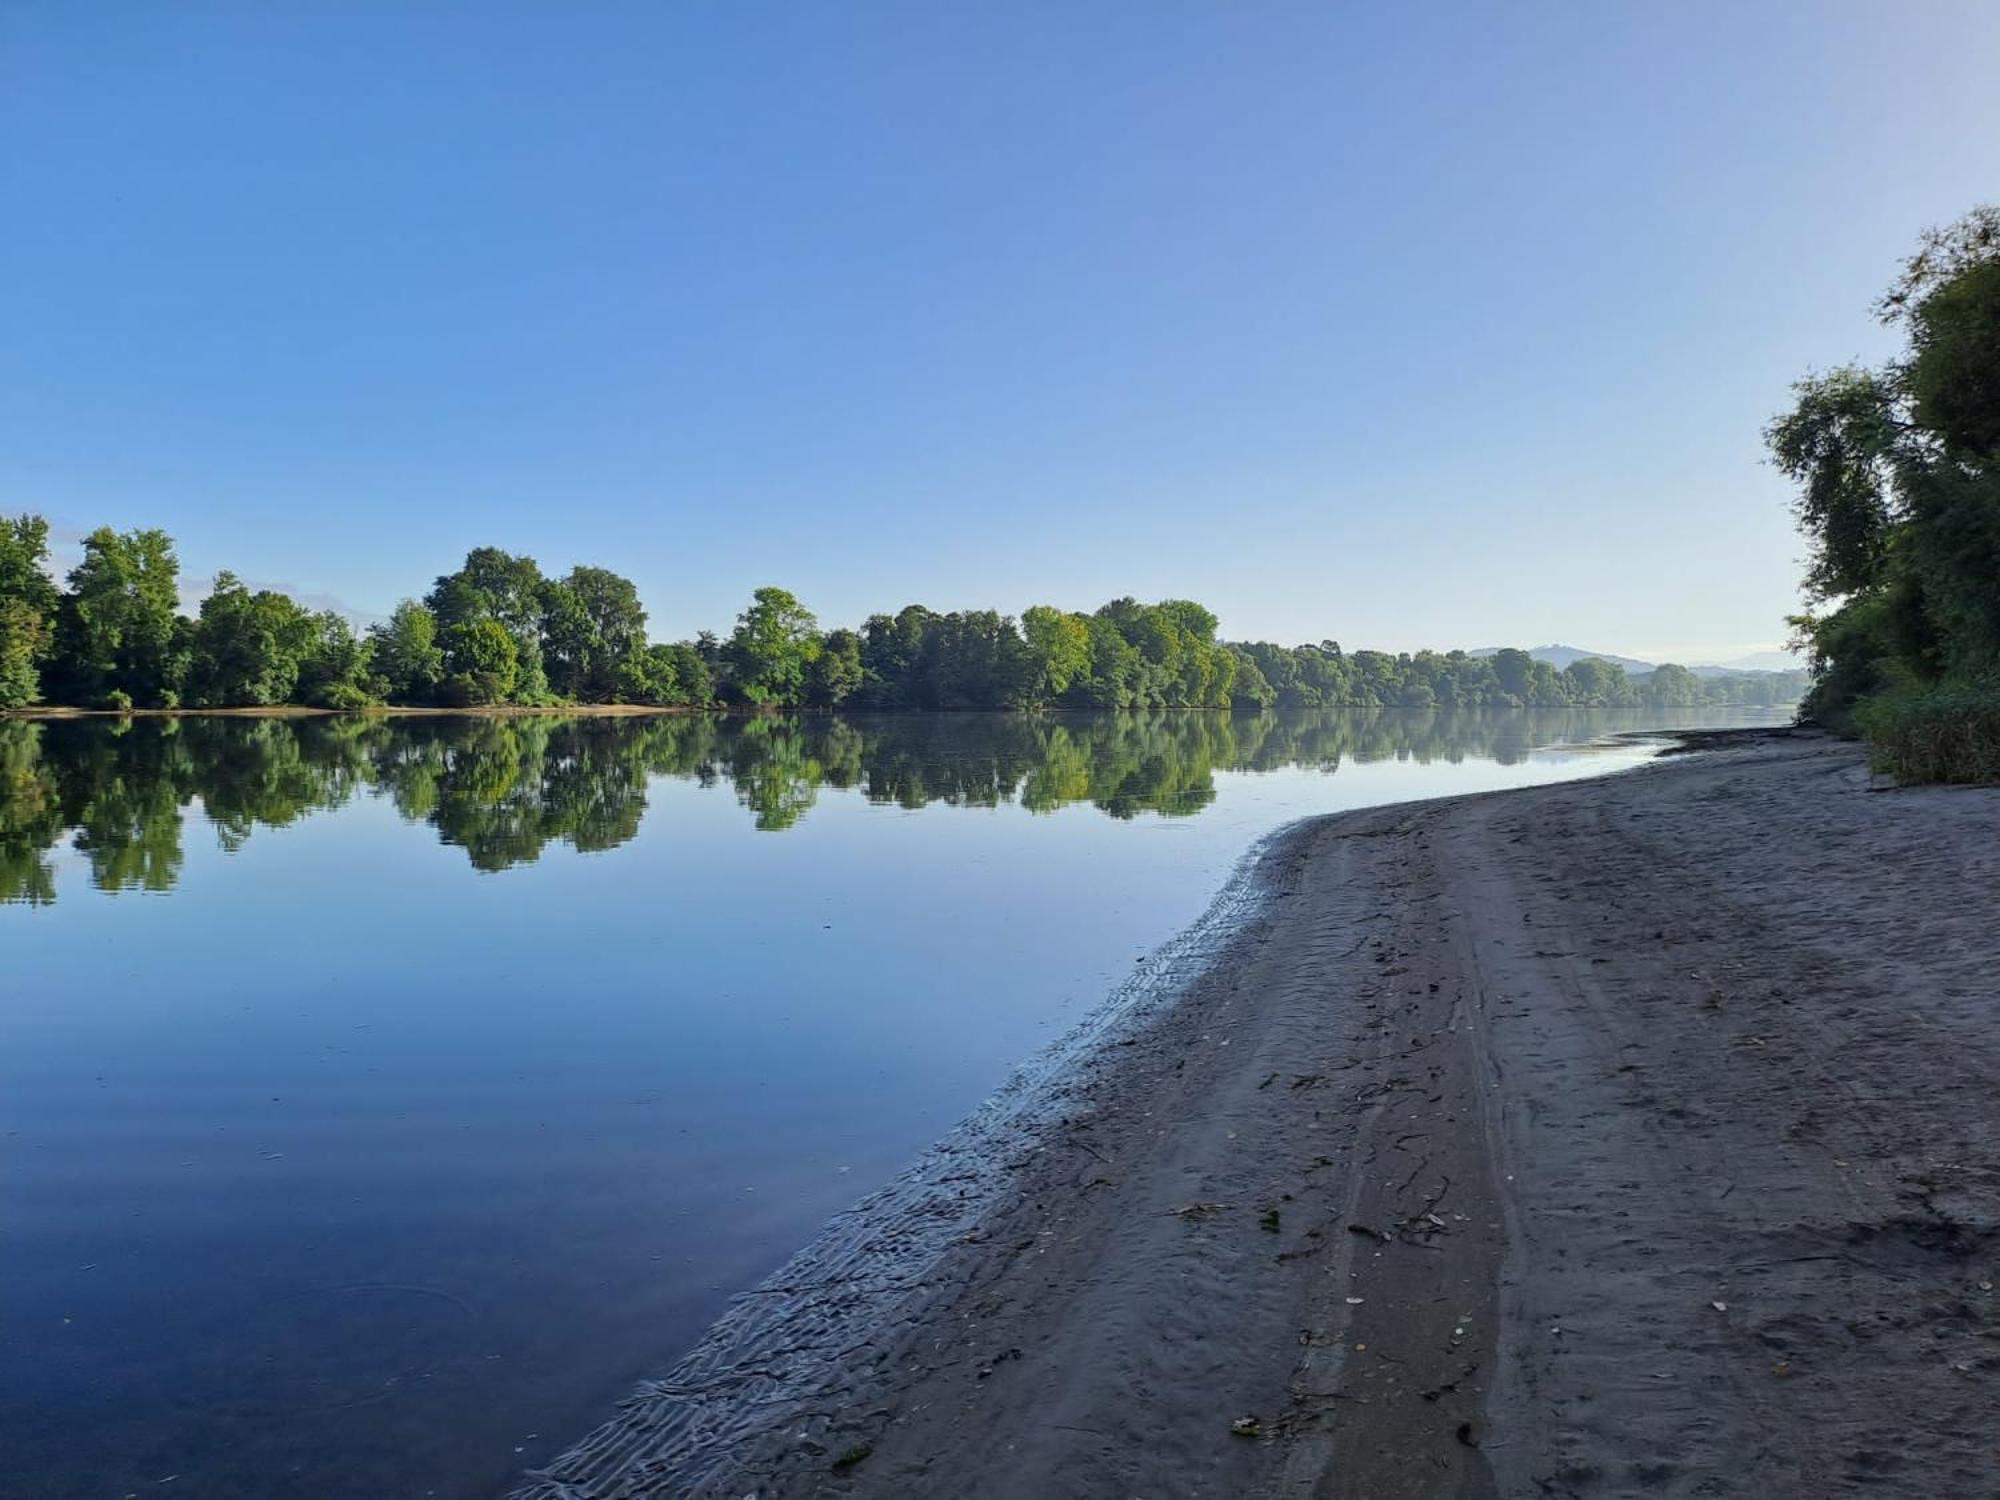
1634,1136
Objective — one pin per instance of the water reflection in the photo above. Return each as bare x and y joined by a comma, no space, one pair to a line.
503,789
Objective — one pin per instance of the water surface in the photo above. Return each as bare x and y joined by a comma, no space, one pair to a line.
380,1098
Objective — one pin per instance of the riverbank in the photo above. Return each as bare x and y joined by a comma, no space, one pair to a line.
1630,1135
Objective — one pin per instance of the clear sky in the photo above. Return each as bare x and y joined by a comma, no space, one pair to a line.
1405,324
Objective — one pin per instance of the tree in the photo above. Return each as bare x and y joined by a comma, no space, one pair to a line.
1596,683
482,663
405,656
334,668
246,648
835,673
24,640
510,591
592,623
117,635
28,604
694,673
1840,442
1512,670
650,676
1057,653
1898,475
776,640
1671,686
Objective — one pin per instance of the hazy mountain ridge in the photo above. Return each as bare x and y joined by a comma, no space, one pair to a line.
1762,663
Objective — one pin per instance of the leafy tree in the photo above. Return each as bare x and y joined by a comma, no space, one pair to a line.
592,624
1898,475
694,675
649,676
1596,683
776,641
118,633
493,586
570,642
482,663
28,603
24,640
1250,690
334,667
1671,686
405,655
1057,653
836,672
24,564
246,648
1512,670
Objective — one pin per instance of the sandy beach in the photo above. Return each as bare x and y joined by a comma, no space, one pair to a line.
1629,1136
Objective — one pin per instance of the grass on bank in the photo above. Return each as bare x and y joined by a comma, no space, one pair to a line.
1948,733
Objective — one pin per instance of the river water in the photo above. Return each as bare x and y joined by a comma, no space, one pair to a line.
381,1098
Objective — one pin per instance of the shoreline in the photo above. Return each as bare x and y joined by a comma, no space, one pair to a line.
1624,1134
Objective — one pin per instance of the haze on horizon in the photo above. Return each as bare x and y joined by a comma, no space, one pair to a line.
1452,328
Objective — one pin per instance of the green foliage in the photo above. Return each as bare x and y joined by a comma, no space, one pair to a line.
1899,497
24,640
247,648
592,625
24,564
28,604
496,632
494,594
776,641
1948,733
1250,690
694,675
119,631
1598,684
405,656
482,663
836,673
1838,444
334,667
1056,653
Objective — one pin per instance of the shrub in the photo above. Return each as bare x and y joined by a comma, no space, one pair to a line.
1947,733
344,696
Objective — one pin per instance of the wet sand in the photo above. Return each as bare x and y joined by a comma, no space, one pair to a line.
1629,1136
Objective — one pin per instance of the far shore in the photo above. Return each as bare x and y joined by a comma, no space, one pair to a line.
1629,1135
643,710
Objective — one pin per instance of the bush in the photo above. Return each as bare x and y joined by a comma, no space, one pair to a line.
118,700
343,695
1949,733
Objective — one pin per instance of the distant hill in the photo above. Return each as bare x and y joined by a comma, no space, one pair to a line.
1761,661
1560,657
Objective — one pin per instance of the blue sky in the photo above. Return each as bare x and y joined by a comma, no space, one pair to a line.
1409,325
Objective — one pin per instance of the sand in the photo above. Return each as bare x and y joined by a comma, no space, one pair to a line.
1628,1136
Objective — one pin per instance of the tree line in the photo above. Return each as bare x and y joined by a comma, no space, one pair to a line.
1898,475
498,631
118,792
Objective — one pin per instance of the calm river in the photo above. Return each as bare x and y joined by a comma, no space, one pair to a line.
381,1098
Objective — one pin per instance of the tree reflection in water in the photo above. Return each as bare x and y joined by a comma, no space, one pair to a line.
503,789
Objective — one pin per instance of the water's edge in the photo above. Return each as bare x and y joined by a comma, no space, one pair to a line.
782,1347
868,1268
